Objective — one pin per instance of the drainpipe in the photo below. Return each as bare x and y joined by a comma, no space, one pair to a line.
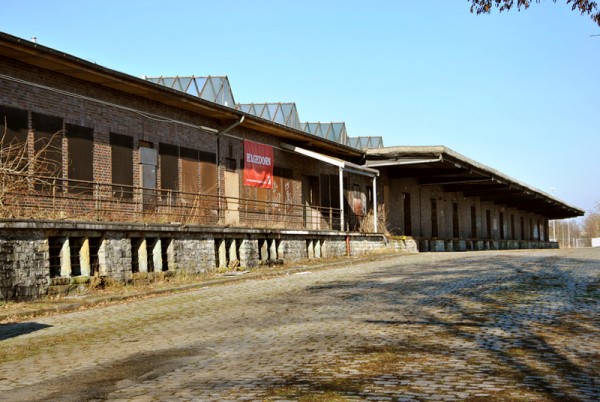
218,155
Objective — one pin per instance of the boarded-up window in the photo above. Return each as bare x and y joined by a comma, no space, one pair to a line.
13,133
208,173
169,155
81,158
282,193
48,150
122,164
190,182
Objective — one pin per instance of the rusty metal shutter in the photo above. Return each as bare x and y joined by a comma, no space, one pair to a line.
122,164
81,158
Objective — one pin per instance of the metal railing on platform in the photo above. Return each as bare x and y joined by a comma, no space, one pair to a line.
67,199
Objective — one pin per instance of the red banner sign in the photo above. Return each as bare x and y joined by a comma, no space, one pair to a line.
258,165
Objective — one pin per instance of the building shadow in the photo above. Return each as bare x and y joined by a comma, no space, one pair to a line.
13,330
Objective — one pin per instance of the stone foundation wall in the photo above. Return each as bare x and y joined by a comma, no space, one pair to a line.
49,256
24,265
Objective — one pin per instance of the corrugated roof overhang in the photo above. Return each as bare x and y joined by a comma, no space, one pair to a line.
438,165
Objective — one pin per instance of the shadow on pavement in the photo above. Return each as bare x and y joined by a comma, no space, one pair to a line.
13,330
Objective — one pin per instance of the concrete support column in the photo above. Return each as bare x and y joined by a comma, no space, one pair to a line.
65,258
233,255
171,265
143,256
84,257
341,184
157,256
222,250
273,250
102,257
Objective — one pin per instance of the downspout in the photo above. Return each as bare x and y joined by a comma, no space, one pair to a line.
218,155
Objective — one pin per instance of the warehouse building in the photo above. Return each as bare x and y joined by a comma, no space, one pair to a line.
105,174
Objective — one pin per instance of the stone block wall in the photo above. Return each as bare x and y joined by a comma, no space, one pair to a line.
24,265
193,255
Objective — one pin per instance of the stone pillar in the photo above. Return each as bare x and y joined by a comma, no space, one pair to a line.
310,249
273,250
222,253
143,256
233,256
157,256
171,264
103,257
317,249
84,257
65,259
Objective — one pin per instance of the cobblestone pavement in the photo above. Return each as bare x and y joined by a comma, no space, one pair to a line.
521,325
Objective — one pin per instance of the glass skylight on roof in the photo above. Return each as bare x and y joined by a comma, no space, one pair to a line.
214,89
281,113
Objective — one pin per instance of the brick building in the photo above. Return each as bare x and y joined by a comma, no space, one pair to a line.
111,175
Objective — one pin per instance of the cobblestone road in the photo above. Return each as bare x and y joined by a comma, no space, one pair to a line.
519,325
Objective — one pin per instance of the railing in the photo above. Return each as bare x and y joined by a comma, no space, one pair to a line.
77,200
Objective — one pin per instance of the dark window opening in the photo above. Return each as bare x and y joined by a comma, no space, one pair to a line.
455,227
325,191
169,172
81,158
164,249
48,151
512,227
75,244
434,218
473,222
502,225
488,223
531,229
54,247
94,259
230,164
136,243
522,228
122,165
13,135
407,214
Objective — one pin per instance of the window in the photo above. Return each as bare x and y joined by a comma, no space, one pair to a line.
501,225
434,219
48,148
122,164
407,214
512,226
488,223
455,227
80,146
169,172
473,222
13,134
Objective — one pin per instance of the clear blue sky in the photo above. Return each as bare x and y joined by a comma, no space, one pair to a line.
517,91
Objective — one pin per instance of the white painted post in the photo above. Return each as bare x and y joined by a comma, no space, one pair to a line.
65,259
341,178
375,204
84,257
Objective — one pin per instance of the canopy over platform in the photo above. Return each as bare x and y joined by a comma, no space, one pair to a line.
438,165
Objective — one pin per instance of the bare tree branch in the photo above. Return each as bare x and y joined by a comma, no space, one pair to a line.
585,7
